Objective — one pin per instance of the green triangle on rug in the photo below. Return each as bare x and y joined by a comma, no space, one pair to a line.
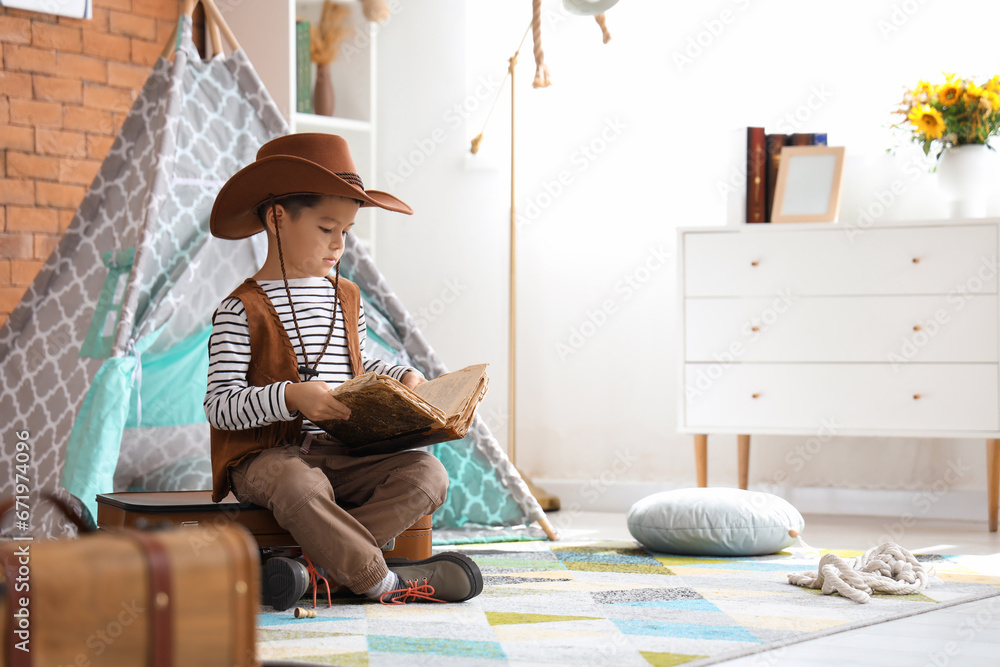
668,659
502,618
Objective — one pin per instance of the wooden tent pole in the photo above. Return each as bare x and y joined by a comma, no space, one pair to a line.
186,9
214,24
214,35
211,9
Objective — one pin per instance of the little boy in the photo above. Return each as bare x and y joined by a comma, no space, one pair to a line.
279,343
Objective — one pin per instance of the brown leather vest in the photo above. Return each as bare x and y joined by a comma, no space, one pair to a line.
272,359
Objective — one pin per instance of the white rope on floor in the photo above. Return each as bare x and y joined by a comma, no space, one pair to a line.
888,568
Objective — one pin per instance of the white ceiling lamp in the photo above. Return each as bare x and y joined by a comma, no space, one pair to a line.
588,7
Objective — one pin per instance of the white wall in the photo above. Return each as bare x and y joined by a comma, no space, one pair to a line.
664,140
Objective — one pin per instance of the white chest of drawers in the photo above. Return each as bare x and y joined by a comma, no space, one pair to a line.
890,330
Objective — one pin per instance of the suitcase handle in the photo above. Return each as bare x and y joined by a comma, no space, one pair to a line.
67,510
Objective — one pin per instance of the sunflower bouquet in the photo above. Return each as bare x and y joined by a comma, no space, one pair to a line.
954,113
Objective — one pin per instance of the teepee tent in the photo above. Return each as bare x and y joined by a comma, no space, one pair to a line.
105,358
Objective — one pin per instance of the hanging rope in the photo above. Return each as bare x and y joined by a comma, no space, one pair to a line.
885,569
603,22
541,71
478,139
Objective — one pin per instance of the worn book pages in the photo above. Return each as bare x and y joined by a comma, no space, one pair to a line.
387,416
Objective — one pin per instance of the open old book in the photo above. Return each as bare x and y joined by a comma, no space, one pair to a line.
386,416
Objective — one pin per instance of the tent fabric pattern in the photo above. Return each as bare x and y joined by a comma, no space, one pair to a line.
187,131
193,125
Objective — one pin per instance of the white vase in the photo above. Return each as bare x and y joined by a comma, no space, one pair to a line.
966,175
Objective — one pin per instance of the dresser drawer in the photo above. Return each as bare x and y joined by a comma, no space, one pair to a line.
897,260
758,397
893,329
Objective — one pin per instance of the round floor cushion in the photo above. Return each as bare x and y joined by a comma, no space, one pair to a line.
714,522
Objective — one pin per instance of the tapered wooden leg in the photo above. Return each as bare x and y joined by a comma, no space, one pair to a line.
547,527
701,458
743,444
993,480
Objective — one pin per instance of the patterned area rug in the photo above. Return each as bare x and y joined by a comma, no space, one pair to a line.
601,603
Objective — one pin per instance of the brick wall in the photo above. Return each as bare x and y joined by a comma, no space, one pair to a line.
66,86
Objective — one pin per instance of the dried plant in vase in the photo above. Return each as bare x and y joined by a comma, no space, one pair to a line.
325,45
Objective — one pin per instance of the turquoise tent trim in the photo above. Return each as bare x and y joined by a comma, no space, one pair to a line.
95,442
101,333
173,385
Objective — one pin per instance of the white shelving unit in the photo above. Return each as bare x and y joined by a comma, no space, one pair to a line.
266,31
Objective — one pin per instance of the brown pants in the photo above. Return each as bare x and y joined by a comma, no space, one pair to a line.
341,509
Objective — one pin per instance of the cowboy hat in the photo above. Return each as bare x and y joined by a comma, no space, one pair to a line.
306,163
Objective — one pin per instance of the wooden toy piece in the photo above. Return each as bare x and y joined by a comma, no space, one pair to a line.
302,612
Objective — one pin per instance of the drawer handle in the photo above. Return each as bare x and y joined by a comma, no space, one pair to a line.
916,397
754,328
916,260
916,327
755,396
754,263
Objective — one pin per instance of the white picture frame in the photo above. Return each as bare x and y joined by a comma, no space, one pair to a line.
77,9
809,184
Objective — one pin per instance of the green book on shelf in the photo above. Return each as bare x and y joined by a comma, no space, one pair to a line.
303,68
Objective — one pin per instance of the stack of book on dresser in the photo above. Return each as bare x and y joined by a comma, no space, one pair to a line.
763,159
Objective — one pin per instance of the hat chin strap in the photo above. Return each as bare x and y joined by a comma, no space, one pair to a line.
304,369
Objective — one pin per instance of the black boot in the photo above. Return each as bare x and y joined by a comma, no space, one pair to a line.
283,583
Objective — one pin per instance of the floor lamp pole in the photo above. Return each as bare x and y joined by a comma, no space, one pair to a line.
512,288
545,500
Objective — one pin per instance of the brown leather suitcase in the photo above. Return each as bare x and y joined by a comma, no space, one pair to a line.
184,597
188,508
413,543
195,508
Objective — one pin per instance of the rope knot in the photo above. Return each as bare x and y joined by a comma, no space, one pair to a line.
888,568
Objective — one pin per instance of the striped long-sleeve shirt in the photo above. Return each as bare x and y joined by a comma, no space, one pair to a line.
230,403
